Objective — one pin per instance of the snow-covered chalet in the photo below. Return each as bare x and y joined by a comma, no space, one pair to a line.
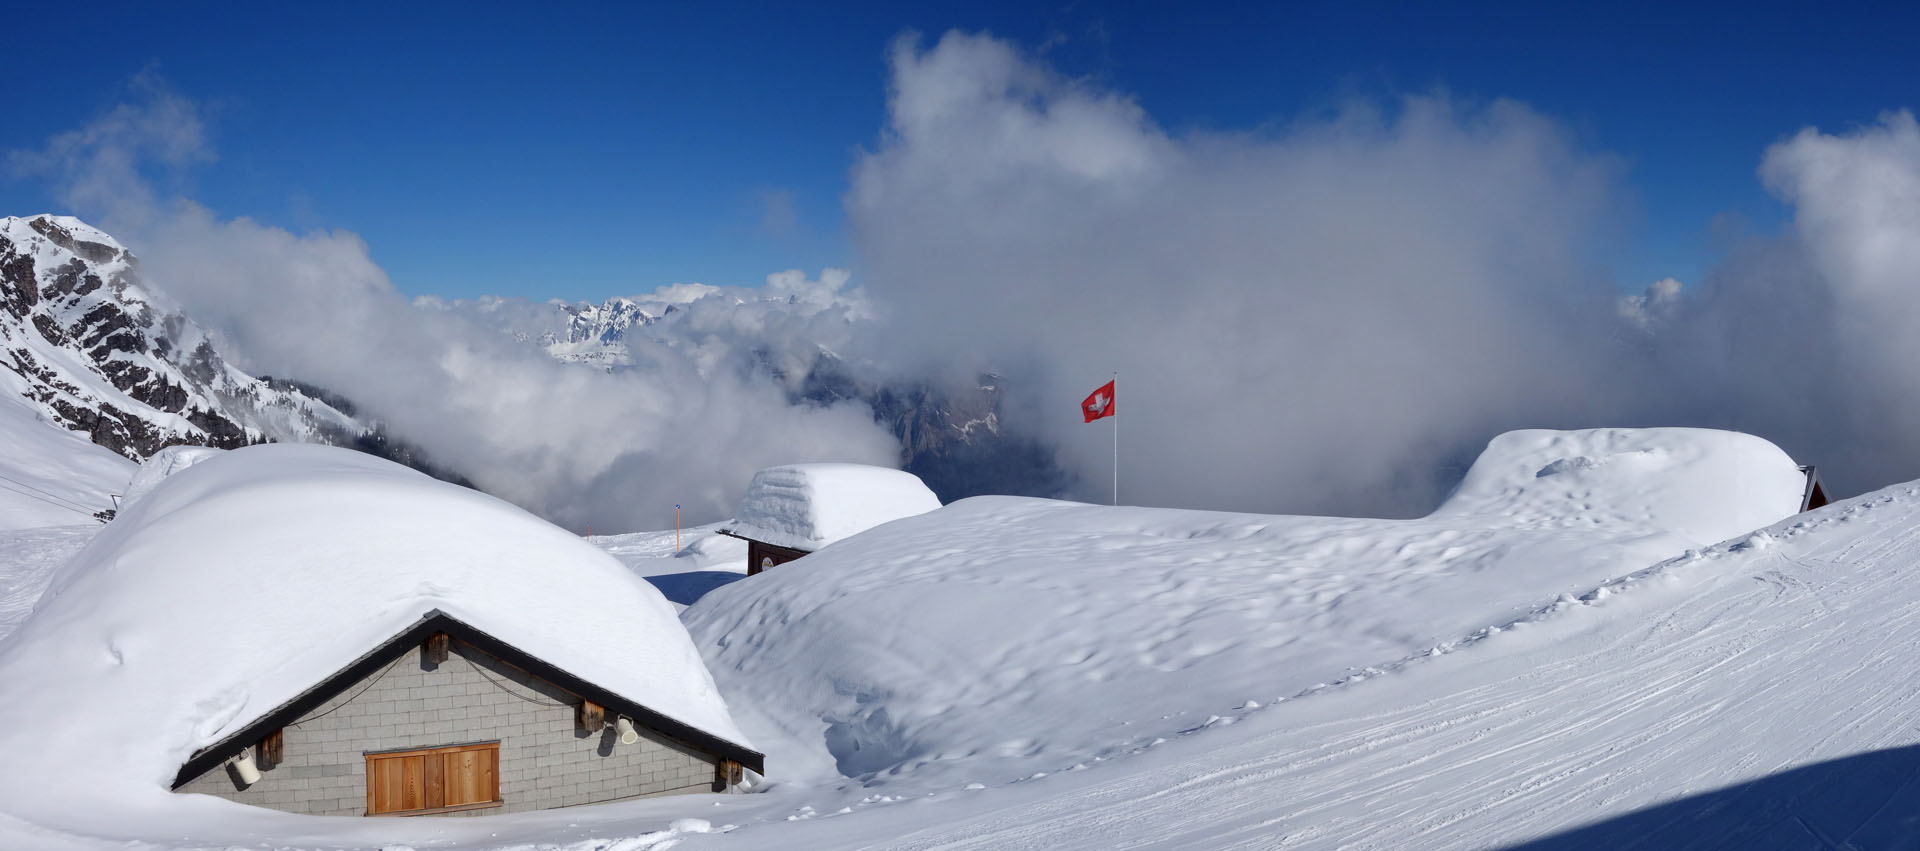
318,631
793,510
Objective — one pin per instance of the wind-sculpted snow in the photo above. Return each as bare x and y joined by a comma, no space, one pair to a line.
1000,637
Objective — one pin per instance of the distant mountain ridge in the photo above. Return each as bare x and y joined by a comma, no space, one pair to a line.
94,350
951,437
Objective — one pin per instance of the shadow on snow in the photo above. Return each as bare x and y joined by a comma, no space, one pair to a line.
687,588
1869,800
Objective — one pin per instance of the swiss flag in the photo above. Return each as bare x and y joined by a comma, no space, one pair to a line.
1100,404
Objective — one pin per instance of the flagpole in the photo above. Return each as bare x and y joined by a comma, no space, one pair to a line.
1116,437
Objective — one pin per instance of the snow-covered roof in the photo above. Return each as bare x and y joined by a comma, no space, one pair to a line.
243,580
808,506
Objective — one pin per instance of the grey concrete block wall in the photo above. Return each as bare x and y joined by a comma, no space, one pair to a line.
546,761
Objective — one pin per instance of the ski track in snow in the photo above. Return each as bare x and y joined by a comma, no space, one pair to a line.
32,555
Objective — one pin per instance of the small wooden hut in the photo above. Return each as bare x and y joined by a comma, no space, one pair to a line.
797,509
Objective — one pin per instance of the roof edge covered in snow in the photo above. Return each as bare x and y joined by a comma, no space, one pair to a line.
437,621
241,585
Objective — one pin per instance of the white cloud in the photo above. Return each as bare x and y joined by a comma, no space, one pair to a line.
577,444
1304,319
1301,321
1648,309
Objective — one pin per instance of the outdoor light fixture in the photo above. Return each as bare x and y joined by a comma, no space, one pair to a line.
245,767
628,735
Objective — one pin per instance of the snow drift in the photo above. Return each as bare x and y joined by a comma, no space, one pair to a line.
249,576
1043,635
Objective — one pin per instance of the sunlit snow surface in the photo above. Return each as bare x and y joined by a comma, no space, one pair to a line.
50,476
999,637
1543,653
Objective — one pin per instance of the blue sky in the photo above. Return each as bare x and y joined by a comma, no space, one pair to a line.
584,152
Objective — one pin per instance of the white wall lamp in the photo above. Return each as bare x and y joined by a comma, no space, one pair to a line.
244,766
628,735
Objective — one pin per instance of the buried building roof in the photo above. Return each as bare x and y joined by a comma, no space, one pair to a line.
240,584
808,506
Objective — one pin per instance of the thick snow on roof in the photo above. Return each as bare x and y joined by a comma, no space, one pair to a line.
998,637
1702,484
164,463
247,578
808,506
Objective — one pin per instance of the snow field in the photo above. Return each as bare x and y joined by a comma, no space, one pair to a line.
1000,638
30,558
50,476
1754,695
1008,673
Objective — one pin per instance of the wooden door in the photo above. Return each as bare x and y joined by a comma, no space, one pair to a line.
433,779
472,776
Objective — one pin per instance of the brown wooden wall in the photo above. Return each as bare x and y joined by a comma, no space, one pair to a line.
762,555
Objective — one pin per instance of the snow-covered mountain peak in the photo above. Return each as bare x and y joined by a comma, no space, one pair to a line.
84,240
90,348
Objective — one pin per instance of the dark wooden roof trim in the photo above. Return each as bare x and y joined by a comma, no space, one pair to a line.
1815,495
732,534
408,640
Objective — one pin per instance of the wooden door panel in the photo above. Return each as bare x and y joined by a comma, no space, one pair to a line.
395,784
472,776
413,792
463,778
433,779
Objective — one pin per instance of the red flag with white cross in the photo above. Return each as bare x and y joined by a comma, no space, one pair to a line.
1100,404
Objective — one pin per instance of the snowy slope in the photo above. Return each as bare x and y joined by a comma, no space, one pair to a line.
236,584
1751,693
1758,694
30,558
999,637
50,476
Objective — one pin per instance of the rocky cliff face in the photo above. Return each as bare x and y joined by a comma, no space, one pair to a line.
96,351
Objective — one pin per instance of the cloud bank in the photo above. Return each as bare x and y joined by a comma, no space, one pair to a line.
1330,315
1809,337
1301,320
579,445
1334,315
